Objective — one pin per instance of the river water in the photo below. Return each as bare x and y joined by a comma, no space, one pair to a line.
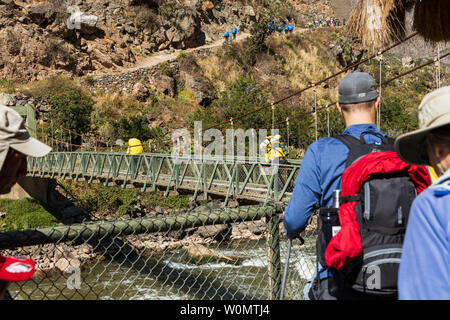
173,276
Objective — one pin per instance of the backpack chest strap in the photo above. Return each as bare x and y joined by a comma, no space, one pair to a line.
350,198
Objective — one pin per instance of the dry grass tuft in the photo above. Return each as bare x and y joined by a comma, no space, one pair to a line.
379,23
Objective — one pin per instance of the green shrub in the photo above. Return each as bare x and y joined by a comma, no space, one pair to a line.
396,118
7,86
72,110
166,69
259,33
187,95
150,200
103,200
243,96
52,86
181,55
116,202
246,54
135,127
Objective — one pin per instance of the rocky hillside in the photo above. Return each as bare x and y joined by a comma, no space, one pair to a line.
342,8
113,34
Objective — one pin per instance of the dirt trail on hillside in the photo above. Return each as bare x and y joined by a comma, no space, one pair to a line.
158,58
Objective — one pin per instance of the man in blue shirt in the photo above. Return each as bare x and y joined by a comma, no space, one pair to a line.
424,272
323,164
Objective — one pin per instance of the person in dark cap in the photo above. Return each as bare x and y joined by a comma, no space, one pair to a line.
15,145
322,167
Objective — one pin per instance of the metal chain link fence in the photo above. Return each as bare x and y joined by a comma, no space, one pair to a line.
222,254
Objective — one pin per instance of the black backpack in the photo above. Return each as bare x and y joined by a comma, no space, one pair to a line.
382,211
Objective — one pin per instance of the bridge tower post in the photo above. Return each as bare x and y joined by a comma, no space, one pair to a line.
28,113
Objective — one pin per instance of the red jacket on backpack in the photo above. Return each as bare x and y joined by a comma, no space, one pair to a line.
346,245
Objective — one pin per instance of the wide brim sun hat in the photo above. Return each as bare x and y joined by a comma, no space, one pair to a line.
13,134
434,112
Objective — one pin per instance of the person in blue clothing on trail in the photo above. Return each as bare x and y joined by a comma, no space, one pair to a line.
226,35
234,33
323,165
424,272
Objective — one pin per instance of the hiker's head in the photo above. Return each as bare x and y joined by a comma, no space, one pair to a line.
358,98
15,145
14,167
430,145
438,148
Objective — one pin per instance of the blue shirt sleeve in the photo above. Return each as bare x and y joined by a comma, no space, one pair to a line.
306,194
424,272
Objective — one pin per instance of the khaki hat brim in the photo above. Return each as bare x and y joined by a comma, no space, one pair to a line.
409,146
32,147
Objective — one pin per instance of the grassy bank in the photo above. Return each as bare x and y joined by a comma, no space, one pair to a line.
103,201
24,214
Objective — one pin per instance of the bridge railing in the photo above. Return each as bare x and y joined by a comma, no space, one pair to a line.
236,177
205,254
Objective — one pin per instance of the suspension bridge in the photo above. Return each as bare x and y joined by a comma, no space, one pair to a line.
236,178
230,178
170,269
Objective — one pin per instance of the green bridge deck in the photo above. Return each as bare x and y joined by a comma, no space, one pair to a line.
236,178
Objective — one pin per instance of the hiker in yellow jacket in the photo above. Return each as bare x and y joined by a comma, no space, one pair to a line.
274,149
134,148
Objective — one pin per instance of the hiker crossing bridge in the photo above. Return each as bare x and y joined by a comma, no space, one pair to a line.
236,178
166,266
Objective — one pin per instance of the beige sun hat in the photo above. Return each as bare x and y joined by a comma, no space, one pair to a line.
14,134
434,112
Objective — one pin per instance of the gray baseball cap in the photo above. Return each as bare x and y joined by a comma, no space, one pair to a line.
357,87
14,134
434,112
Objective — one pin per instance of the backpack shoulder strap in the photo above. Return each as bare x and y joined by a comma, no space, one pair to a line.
390,141
348,140
359,148
356,147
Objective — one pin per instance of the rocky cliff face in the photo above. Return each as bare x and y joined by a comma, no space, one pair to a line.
40,40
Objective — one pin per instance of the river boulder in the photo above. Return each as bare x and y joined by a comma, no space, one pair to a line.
199,252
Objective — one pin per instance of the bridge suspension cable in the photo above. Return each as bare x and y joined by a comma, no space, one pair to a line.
383,83
313,85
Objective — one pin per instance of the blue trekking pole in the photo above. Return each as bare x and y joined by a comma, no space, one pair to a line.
286,265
